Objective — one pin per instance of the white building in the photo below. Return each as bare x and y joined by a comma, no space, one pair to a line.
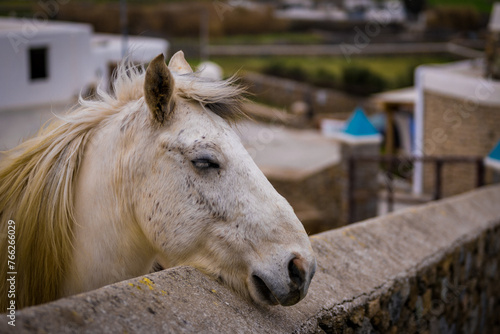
44,62
107,50
457,113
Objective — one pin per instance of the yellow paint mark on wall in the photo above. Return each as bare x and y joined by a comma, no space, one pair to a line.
146,281
353,238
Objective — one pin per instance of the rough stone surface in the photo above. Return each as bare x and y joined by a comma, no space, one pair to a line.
457,127
433,269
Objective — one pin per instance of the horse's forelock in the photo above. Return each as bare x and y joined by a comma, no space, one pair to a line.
223,97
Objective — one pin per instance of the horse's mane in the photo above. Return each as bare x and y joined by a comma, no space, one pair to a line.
37,179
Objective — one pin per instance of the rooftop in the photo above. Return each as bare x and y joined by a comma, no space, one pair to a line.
463,80
142,49
288,153
34,26
403,96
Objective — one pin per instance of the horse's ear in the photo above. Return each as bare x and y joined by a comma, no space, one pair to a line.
179,64
158,89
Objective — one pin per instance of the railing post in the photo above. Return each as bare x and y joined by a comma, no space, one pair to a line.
480,172
350,189
391,161
438,176
390,191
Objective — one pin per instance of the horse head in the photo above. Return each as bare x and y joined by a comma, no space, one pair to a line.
195,194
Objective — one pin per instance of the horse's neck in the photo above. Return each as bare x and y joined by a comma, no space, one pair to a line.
108,247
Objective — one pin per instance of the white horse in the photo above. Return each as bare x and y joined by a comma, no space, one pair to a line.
154,171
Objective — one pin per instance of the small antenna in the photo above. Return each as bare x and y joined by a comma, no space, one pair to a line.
124,27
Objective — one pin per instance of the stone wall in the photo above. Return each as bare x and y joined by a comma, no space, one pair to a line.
321,200
457,127
318,198
365,187
432,269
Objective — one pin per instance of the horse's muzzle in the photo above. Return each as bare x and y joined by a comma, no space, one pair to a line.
287,286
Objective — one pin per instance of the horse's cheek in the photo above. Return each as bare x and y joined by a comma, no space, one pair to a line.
170,217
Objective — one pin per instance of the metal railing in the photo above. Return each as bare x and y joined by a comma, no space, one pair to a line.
392,161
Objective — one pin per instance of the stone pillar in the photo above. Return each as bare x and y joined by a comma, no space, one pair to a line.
359,138
360,189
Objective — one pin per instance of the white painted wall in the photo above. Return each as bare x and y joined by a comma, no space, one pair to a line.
107,49
69,69
76,59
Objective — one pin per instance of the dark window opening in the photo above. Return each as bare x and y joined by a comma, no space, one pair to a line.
38,63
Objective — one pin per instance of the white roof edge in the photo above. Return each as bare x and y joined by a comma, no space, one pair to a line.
356,140
9,25
454,80
140,49
492,163
100,35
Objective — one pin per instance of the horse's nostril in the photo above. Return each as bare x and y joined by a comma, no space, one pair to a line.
285,285
264,290
296,271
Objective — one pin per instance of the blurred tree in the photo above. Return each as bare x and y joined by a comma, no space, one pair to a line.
413,8
362,80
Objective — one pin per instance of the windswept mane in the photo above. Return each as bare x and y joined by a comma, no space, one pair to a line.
37,179
223,97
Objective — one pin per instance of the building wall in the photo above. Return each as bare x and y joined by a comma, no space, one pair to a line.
317,200
432,269
321,200
460,127
107,52
68,62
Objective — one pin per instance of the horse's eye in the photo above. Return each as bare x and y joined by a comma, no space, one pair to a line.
205,164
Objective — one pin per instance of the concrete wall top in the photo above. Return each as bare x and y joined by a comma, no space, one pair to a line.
289,154
355,263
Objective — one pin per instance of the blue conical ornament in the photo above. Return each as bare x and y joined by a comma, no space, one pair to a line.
359,125
493,159
358,130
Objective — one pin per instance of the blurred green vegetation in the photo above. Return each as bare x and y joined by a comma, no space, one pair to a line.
455,18
363,75
270,38
484,6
